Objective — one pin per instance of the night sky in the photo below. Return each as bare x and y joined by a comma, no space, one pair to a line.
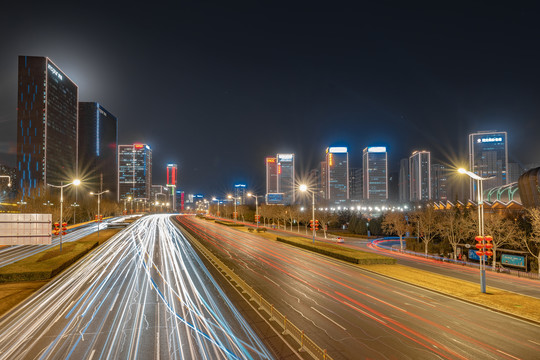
216,87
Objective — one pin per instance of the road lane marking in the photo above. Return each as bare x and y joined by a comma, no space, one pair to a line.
534,342
513,357
329,319
410,297
92,354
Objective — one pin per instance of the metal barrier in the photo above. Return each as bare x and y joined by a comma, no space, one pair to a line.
306,344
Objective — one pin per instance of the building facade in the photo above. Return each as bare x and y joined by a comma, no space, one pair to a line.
439,182
337,175
47,125
172,179
240,193
98,148
134,171
375,168
420,176
355,184
271,167
285,179
404,187
488,157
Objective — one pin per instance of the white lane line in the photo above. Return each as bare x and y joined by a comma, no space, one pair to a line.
113,303
272,281
329,319
410,297
92,354
534,342
513,357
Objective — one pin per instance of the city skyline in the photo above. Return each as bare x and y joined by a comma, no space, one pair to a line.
306,90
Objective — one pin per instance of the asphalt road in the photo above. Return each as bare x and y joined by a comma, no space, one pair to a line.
359,315
144,294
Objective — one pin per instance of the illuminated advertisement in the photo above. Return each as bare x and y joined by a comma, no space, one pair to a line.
513,260
376,149
275,198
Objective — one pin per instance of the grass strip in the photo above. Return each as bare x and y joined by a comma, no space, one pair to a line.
49,263
12,293
523,306
229,223
338,252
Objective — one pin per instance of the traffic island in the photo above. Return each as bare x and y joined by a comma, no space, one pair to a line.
338,252
22,278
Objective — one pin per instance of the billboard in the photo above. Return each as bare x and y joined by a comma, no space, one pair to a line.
473,256
25,229
274,198
513,260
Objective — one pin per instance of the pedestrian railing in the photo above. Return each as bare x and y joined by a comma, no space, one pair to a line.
306,344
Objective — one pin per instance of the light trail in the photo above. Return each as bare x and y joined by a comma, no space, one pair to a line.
143,294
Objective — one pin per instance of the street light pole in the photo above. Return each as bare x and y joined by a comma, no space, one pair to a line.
256,207
75,182
98,206
234,200
480,195
304,188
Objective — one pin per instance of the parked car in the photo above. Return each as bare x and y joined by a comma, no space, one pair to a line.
339,240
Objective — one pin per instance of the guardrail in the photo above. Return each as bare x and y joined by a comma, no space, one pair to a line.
306,344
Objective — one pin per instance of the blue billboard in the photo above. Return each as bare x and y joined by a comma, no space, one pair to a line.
274,198
473,256
513,260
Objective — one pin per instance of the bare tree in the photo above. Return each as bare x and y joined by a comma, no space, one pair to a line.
426,224
455,227
532,241
325,217
396,223
504,232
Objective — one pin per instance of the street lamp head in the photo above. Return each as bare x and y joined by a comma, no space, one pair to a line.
229,196
91,193
249,194
106,191
76,182
462,171
303,187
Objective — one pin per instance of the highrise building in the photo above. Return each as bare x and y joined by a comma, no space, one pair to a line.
375,167
488,156
439,182
337,175
98,147
355,184
285,178
323,180
134,171
47,121
172,173
271,175
404,187
240,191
420,176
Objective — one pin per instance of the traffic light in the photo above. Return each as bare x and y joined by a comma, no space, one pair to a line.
64,228
56,230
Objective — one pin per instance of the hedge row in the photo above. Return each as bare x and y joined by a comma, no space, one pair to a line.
34,268
370,260
227,223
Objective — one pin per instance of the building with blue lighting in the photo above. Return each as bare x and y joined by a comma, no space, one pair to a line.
375,166
285,178
420,176
47,125
488,157
98,147
337,175
134,171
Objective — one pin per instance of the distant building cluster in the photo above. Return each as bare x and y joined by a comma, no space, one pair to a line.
60,138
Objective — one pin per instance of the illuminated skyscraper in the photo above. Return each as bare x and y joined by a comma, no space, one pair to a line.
375,167
172,173
337,175
355,184
285,177
439,182
271,175
134,171
240,194
404,187
488,156
420,176
98,147
47,124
